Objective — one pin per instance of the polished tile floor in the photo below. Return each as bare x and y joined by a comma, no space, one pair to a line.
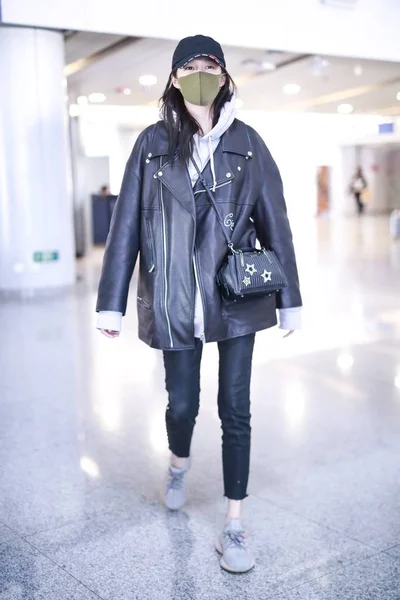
83,448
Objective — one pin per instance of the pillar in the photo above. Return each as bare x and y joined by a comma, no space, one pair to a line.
36,215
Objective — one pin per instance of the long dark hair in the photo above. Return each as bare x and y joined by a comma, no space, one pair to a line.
180,123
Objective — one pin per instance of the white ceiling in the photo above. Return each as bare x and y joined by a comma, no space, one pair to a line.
374,91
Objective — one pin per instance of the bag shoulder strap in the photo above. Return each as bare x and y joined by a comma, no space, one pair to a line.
213,204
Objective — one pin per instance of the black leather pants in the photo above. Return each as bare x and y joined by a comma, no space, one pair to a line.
183,386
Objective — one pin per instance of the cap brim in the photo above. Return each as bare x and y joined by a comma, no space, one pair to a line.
182,63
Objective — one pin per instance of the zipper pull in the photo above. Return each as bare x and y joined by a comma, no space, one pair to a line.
152,268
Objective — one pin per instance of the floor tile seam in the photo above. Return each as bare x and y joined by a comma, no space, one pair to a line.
13,531
63,569
338,569
323,525
67,523
70,522
388,553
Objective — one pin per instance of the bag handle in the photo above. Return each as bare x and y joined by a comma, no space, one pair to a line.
213,204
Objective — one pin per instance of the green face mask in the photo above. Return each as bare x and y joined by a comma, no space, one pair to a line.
200,88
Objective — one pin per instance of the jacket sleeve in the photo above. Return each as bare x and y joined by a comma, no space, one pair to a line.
123,241
273,229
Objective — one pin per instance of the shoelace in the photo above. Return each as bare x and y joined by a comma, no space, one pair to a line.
176,480
235,538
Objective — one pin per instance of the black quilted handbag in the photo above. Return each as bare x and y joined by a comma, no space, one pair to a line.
247,272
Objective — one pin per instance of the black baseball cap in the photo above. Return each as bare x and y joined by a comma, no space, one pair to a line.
194,47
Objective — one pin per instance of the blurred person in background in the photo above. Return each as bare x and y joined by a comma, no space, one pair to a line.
358,187
105,190
164,212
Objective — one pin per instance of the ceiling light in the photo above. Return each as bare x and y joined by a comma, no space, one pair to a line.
239,103
82,100
345,109
74,110
124,90
268,65
358,70
96,98
148,80
291,88
398,96
397,382
345,362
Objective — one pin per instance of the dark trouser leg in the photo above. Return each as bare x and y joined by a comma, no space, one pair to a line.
360,205
235,362
182,380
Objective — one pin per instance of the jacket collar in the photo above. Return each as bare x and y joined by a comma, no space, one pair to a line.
235,140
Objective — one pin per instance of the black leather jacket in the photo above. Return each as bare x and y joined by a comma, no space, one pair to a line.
173,226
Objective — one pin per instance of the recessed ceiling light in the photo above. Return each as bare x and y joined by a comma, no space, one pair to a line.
358,70
97,98
345,109
74,110
345,362
239,103
268,66
291,88
82,100
124,90
148,80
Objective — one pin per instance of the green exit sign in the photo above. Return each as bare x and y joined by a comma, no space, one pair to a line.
41,257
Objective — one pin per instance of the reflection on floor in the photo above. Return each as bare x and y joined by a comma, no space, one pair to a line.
83,446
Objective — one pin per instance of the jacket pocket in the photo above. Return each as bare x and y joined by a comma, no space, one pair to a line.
143,303
150,243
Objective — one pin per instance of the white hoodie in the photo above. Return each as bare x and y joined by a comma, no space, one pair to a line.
204,148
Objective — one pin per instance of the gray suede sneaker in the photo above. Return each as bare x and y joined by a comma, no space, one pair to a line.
175,491
236,556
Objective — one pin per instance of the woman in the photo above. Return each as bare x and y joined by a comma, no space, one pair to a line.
164,212
357,187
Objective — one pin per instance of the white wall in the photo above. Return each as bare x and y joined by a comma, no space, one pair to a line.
370,30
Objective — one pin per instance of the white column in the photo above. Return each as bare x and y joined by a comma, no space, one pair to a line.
36,214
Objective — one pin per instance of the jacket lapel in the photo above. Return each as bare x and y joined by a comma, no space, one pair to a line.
176,178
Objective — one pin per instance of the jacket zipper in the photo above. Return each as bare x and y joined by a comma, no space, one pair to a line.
196,274
165,267
216,187
150,237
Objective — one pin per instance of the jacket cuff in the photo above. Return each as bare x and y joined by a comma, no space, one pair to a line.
108,319
290,318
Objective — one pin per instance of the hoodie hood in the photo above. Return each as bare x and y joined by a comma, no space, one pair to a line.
205,146
226,118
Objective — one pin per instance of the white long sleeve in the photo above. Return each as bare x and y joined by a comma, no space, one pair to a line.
290,318
109,319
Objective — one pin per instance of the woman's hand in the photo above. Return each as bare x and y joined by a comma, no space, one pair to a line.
110,333
288,334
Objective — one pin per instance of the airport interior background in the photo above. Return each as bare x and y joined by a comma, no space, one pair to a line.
83,446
